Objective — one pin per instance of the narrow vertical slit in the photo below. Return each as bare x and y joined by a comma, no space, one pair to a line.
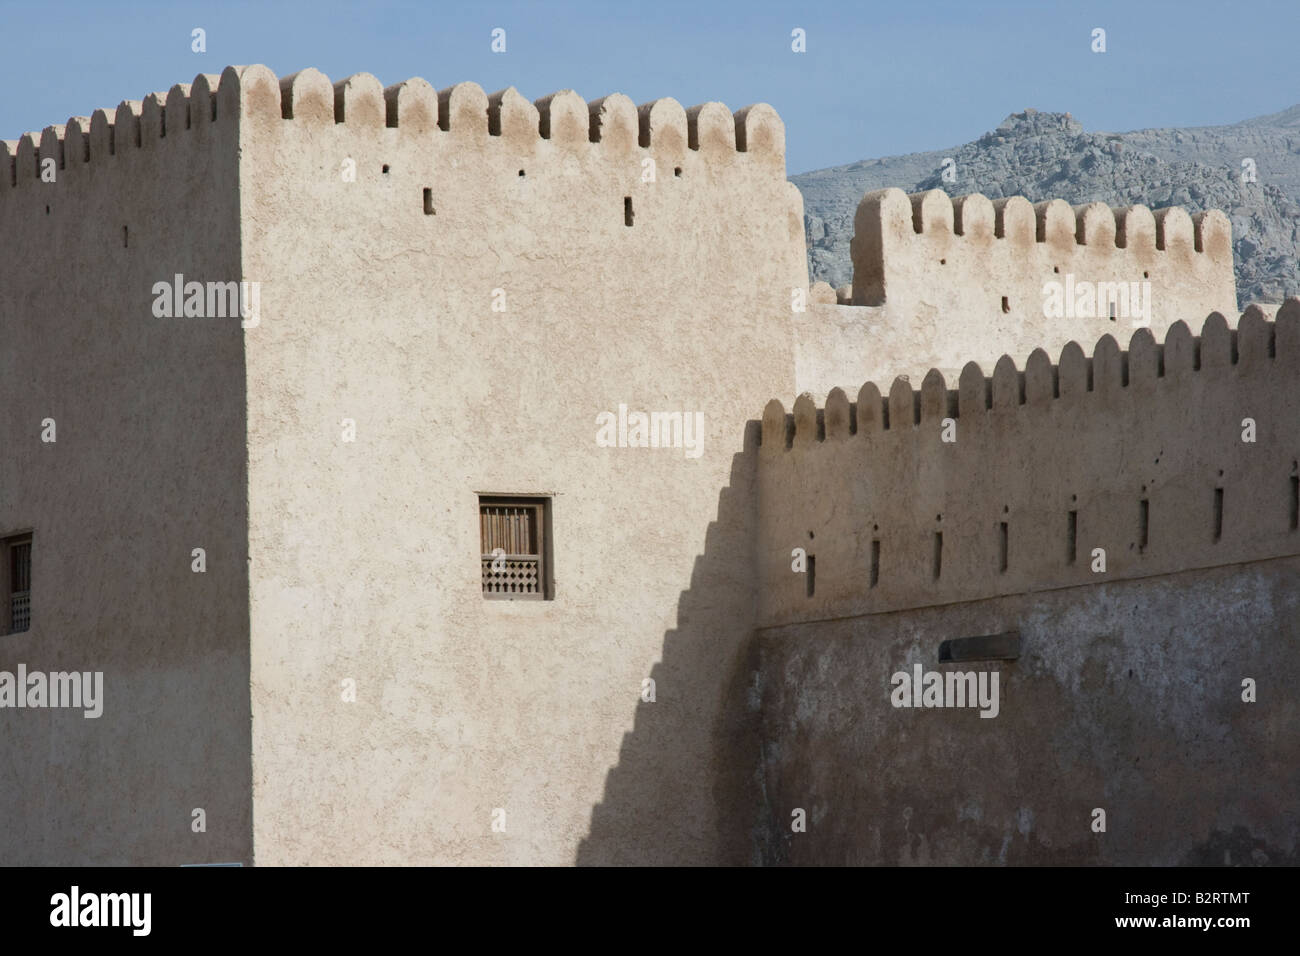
627,210
875,561
1071,538
1295,502
1144,515
811,575
938,554
1002,547
428,203
1218,513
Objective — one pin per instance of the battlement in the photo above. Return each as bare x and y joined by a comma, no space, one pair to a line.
134,125
970,268
1041,380
308,98
974,220
1008,482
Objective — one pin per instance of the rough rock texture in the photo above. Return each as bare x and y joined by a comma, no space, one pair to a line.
1142,682
1049,155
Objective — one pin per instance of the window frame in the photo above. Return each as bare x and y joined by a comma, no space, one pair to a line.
541,507
8,543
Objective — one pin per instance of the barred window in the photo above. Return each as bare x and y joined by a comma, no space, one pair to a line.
514,535
16,555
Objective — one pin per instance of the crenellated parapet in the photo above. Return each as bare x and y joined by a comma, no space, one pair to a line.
1166,456
889,214
1142,364
188,108
1065,272
563,117
308,98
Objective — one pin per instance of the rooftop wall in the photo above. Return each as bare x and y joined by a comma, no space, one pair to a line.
966,279
1139,453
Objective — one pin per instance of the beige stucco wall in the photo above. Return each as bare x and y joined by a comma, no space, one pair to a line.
365,555
148,464
1095,435
955,260
930,275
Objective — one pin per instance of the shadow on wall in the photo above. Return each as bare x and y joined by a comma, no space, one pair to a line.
686,787
1127,698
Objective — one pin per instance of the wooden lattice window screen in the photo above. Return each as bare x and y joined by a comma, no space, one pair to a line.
18,581
513,552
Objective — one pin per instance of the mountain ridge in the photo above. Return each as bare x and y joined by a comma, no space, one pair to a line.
1048,155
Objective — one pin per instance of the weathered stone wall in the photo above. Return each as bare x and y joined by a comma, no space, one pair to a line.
1128,693
148,464
1127,697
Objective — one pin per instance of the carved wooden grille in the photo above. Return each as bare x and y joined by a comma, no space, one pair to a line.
513,552
515,575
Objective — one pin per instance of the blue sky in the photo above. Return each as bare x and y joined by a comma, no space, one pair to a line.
877,78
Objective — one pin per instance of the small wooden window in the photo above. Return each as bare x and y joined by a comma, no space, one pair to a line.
515,548
16,557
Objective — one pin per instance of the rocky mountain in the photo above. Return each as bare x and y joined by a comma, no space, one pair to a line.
1050,155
